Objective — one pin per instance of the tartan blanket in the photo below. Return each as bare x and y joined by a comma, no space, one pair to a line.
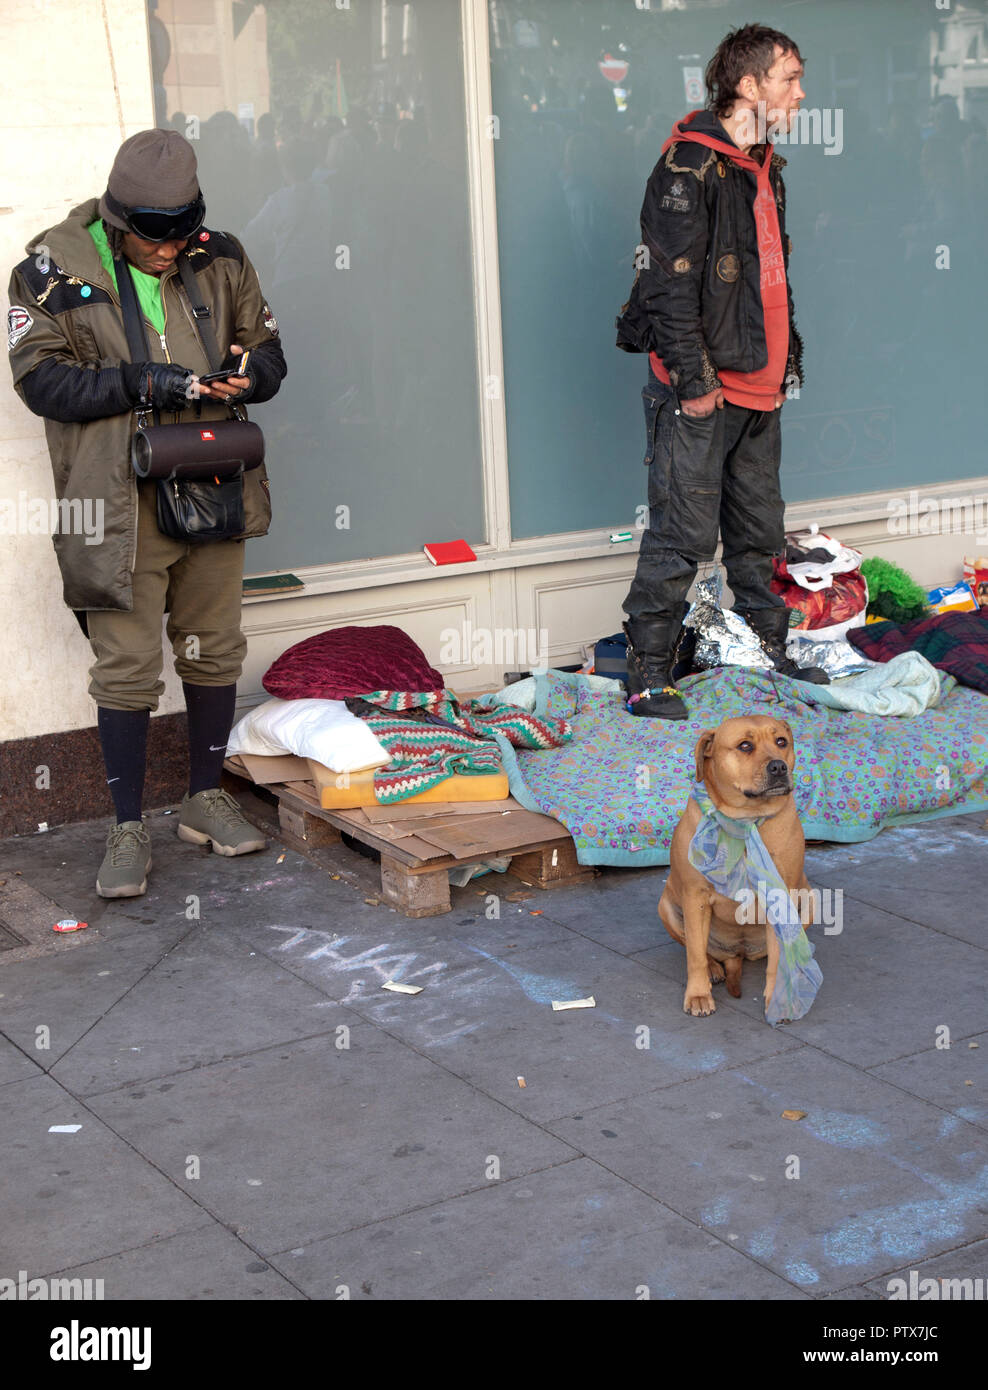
953,642
449,739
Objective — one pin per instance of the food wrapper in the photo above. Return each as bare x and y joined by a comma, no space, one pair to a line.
836,657
722,639
956,598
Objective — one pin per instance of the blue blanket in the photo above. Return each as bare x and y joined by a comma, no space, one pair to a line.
622,783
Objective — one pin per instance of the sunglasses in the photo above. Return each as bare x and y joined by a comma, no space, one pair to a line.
161,224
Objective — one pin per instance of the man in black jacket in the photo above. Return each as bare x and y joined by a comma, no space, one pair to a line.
712,305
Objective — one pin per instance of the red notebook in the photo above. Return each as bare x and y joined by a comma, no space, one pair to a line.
448,552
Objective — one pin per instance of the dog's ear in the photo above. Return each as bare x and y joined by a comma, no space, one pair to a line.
704,747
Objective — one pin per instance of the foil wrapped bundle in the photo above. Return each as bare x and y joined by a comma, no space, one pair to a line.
837,657
722,638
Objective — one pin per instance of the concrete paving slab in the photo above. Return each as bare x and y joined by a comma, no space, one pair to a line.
14,1064
574,1231
208,999
68,994
955,1078
618,910
887,986
210,1263
881,1176
969,1264
308,1140
925,873
488,1018
72,1198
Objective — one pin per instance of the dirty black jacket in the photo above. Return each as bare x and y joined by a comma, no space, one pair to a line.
696,300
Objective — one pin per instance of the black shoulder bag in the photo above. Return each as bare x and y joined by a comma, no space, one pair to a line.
198,467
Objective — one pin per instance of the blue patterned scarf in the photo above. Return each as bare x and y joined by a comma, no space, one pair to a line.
731,856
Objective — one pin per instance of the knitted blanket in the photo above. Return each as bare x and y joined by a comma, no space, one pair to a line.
451,739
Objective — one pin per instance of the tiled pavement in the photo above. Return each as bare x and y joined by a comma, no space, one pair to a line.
260,1120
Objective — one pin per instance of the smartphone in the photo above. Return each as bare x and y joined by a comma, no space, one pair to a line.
227,372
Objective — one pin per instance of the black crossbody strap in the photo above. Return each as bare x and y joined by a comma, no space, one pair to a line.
200,312
133,323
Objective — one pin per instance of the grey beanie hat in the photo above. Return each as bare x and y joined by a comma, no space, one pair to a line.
155,169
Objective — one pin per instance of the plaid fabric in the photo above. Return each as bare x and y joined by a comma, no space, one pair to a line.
425,753
953,642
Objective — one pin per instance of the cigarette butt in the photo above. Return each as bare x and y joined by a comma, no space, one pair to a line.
590,1003
402,989
64,1129
521,1082
280,859
794,1114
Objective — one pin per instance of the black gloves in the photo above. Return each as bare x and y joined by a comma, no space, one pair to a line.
158,385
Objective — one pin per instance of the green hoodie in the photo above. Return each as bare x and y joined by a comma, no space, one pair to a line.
148,287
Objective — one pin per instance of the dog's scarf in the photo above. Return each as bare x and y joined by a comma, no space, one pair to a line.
732,857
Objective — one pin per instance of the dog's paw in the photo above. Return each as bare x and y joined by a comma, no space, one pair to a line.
716,971
699,1004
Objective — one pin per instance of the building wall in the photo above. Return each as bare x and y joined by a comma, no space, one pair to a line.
61,135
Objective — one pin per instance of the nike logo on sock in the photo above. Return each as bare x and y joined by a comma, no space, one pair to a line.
217,748
112,779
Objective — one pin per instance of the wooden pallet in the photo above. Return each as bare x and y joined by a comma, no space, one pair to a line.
419,844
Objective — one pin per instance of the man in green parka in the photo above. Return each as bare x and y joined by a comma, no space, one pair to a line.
71,365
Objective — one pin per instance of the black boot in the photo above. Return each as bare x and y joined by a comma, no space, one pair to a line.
772,626
651,644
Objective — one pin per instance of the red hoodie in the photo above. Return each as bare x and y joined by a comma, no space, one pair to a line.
756,390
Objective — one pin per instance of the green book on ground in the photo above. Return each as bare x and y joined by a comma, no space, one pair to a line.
272,584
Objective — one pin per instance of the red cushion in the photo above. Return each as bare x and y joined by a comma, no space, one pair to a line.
350,661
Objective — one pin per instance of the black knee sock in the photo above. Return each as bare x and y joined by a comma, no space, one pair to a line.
123,734
210,710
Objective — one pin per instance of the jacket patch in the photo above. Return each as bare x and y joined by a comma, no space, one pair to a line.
728,268
681,265
270,322
19,322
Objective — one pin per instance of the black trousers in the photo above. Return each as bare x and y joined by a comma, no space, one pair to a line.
707,475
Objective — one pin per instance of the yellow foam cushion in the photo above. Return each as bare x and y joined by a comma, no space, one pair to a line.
340,791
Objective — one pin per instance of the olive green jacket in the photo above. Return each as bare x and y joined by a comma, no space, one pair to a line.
67,341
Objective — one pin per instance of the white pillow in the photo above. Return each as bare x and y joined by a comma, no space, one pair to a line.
321,729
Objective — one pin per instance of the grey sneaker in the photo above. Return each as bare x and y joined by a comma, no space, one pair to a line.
213,817
124,870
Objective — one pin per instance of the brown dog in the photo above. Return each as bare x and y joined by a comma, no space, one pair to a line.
746,766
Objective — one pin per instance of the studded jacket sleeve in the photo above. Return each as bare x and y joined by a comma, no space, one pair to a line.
674,236
48,375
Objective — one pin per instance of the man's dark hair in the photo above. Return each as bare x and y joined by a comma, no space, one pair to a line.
748,49
114,239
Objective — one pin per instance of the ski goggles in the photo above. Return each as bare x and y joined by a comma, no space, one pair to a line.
160,224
